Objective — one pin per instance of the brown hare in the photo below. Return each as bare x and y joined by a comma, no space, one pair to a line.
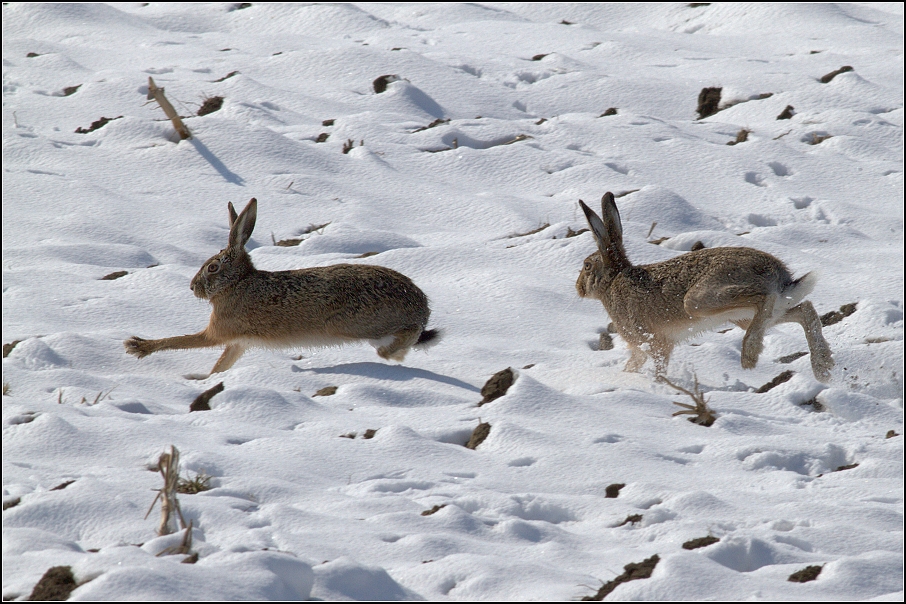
655,306
323,306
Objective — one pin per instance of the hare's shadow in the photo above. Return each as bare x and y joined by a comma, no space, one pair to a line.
396,373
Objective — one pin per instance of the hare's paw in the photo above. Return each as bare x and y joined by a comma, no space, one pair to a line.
636,360
138,347
822,363
751,350
391,354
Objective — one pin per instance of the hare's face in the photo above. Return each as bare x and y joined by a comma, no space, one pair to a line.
591,277
220,272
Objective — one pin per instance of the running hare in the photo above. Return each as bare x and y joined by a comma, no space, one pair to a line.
655,306
323,306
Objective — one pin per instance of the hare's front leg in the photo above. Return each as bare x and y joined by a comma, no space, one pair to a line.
637,358
142,348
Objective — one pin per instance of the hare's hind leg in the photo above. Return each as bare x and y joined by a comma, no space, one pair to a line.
753,341
399,345
704,301
805,315
230,355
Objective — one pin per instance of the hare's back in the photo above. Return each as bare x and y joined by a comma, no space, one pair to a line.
724,266
358,293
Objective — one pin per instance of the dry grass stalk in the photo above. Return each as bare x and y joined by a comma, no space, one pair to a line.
156,93
185,547
168,466
702,414
192,486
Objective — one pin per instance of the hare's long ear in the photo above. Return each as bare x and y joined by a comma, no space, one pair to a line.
608,233
243,225
611,216
232,210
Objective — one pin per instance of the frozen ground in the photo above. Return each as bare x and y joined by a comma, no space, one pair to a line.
295,510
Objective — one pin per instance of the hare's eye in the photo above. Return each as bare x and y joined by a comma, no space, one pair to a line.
587,266
213,267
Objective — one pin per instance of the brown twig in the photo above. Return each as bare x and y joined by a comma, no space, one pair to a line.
156,93
168,466
703,415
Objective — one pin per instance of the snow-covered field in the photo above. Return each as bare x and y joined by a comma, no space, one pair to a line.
479,210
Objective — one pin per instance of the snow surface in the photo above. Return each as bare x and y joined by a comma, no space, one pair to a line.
299,512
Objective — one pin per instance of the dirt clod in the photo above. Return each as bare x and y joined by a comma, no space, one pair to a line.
631,572
203,400
96,124
789,358
380,84
8,348
783,377
227,76
809,573
613,491
497,386
327,123
56,585
434,124
786,114
326,391
481,432
210,105
814,403
741,137
609,111
434,510
700,542
708,102
835,316
114,275
62,485
11,503
631,519
322,138
571,233
890,434
830,76
369,433
605,341
847,467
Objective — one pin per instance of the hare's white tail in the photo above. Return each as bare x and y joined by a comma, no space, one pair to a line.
793,293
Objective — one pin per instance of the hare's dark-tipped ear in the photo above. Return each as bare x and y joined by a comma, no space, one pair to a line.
243,225
232,210
598,229
608,232
611,215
